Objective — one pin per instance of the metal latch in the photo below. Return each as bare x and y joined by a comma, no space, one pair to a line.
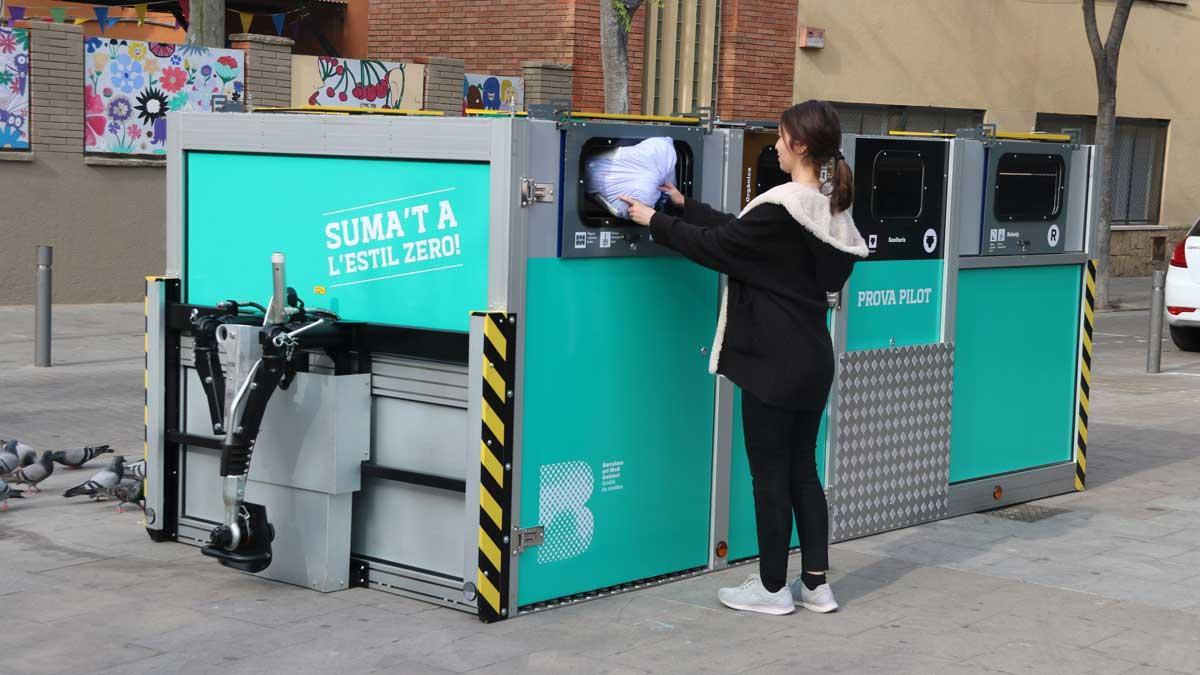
535,192
524,538
833,299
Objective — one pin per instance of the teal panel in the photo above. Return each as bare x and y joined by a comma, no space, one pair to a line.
1014,369
387,241
743,530
618,422
894,303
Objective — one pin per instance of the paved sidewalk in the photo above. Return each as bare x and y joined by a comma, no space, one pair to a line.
1109,585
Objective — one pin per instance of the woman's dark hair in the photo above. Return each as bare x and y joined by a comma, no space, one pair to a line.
815,125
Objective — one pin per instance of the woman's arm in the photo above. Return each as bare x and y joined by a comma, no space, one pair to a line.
729,248
699,213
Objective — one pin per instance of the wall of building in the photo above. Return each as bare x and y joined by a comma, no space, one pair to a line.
104,222
495,37
757,58
1014,59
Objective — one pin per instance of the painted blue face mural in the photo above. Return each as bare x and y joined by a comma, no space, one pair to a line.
491,93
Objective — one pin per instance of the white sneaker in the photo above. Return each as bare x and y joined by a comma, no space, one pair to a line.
819,600
752,596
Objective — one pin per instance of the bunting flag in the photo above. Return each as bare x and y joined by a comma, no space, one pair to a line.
278,20
186,10
16,13
81,21
141,13
247,19
59,14
101,17
113,21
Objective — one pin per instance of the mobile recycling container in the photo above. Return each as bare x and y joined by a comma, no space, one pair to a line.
410,353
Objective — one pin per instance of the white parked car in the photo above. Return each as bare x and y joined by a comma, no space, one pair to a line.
1183,292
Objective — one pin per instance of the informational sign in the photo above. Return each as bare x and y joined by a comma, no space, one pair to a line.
387,241
894,304
899,197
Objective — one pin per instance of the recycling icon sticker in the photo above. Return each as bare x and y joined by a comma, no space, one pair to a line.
930,240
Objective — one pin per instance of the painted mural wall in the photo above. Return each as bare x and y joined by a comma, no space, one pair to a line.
327,81
14,89
130,86
493,92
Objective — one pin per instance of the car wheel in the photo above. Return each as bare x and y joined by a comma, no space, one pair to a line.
1187,339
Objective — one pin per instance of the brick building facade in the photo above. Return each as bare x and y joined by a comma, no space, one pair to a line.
496,36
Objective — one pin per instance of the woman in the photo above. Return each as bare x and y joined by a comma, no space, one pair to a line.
789,246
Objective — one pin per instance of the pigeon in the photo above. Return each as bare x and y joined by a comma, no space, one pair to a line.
35,473
8,458
8,492
73,458
103,480
136,470
24,453
128,491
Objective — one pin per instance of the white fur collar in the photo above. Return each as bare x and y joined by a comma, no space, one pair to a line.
810,208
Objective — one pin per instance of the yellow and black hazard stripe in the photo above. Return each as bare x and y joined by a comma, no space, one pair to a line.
495,457
1085,374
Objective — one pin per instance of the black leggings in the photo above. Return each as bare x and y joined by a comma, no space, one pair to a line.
781,447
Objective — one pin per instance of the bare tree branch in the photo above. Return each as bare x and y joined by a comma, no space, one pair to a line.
1116,34
1093,33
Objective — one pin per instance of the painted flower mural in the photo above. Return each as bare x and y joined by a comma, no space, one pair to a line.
93,117
131,86
14,89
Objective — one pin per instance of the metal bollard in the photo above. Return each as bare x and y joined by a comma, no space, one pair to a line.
1154,349
41,310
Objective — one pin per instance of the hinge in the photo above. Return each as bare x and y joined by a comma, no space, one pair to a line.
523,538
833,299
532,191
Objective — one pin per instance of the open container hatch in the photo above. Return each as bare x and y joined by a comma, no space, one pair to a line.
587,228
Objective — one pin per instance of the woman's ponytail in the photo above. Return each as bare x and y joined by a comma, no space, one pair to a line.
843,186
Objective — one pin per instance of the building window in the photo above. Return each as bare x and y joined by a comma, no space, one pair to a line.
1139,155
858,118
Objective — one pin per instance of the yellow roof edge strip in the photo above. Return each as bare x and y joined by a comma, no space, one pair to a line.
494,113
595,116
635,118
921,134
1027,136
1000,135
350,109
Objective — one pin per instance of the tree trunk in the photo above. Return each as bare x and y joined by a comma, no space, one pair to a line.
1106,132
614,46
1105,57
206,23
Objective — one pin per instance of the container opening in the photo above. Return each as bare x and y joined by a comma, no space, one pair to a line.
1029,188
593,214
768,174
898,185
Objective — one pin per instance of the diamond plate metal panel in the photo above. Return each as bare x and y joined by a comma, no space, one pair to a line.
892,453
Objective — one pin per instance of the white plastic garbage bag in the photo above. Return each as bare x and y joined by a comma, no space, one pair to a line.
636,171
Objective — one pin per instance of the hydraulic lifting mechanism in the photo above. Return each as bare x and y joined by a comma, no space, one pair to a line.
267,347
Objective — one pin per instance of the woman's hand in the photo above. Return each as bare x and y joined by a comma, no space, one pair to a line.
638,212
672,192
